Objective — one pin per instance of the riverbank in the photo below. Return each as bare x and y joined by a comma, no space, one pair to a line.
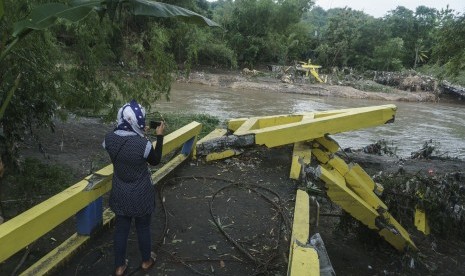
354,251
265,81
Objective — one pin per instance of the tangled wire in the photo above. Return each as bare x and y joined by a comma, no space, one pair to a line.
262,265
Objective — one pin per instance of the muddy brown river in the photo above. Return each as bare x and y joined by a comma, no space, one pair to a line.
415,123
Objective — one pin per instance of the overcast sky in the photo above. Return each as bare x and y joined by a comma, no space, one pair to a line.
379,8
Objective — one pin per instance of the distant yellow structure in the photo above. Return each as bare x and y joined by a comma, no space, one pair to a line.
308,67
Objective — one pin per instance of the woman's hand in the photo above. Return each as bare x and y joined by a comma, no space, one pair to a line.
160,129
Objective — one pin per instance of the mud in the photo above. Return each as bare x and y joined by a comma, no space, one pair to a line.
231,217
236,80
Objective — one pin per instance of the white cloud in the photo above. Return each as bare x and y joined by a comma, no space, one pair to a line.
380,8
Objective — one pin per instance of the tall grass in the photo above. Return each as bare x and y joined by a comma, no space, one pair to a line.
175,121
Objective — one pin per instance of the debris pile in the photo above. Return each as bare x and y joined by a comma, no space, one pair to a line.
454,90
441,196
408,80
381,147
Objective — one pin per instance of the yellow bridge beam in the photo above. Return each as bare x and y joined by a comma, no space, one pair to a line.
303,259
340,193
317,126
300,157
25,228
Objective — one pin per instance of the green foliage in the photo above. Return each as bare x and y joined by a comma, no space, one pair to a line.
261,30
175,121
370,86
63,65
1,9
35,101
388,57
449,50
36,180
441,196
192,46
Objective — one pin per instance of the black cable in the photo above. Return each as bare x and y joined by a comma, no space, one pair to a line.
262,266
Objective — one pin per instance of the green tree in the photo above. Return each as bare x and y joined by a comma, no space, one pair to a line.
388,56
262,30
340,37
43,73
449,50
416,30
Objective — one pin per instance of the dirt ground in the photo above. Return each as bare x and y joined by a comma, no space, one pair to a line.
238,80
233,217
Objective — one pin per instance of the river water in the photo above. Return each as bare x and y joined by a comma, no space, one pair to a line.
415,123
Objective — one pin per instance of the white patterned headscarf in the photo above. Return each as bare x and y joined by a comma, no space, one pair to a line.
131,117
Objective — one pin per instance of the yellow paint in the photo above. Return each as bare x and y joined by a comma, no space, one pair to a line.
304,261
25,228
329,143
339,165
310,68
400,239
360,172
322,156
167,168
301,155
318,127
421,221
178,137
48,263
301,222
250,124
279,120
379,189
340,194
363,190
216,133
268,121
234,124
220,155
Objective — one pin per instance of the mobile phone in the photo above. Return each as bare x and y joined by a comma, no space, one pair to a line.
154,124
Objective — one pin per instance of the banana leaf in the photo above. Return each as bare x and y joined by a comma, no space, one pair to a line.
1,9
158,9
45,15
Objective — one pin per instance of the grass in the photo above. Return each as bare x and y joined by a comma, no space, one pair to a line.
32,183
441,72
370,86
175,121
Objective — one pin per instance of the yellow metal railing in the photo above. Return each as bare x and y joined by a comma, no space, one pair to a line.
27,227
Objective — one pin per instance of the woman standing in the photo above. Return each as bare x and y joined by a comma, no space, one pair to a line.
132,195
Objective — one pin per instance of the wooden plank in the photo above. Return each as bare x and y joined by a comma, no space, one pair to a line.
304,261
218,132
167,168
301,222
421,221
68,248
178,137
273,120
364,189
327,142
301,156
221,155
64,251
300,225
25,228
340,194
319,127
